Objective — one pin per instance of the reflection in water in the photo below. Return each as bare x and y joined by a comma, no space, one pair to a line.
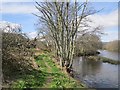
95,73
88,66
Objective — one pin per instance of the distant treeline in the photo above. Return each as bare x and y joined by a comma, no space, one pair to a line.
112,46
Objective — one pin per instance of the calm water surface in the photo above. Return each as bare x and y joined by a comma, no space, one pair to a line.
95,73
109,54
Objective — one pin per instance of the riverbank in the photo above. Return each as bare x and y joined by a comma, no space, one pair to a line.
89,53
104,59
47,75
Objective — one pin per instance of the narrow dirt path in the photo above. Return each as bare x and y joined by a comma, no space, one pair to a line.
49,68
49,78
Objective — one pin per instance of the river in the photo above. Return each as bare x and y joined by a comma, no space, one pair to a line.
109,54
95,74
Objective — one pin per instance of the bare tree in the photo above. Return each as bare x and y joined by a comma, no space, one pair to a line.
63,20
88,44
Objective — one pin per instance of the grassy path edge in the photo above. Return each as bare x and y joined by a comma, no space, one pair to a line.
47,75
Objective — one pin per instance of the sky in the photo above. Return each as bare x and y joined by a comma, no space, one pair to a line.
21,13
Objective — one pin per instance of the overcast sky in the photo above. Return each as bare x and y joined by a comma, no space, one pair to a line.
21,13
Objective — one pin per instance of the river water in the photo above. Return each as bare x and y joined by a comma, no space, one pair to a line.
95,74
109,54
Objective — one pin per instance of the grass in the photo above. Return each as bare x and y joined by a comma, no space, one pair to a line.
104,59
47,76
